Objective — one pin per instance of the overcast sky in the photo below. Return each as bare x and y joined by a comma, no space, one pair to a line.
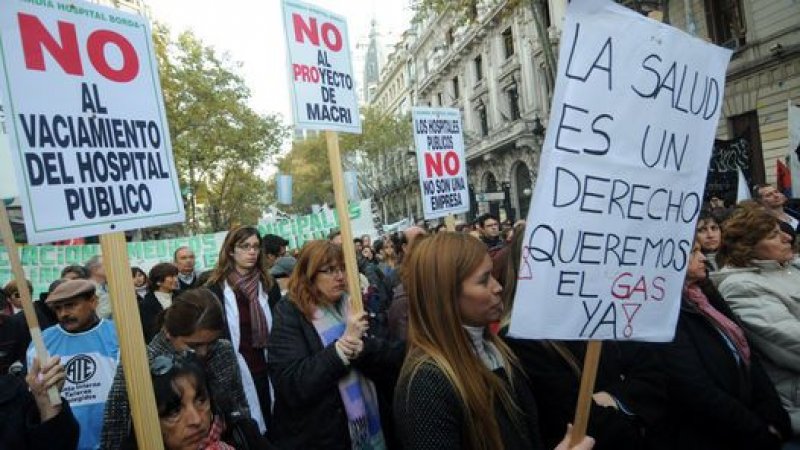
251,31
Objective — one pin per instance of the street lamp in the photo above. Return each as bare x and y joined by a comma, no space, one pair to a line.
507,200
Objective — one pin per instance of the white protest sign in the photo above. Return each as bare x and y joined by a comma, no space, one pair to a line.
89,136
320,69
8,181
441,162
794,146
611,223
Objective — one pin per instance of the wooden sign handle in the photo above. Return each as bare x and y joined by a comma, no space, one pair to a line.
450,222
25,295
588,377
340,197
131,342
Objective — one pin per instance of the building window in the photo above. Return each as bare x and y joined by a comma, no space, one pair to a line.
508,42
513,102
439,99
725,22
456,92
448,37
478,64
483,119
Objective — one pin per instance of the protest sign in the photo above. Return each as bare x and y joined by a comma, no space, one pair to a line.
299,229
794,146
611,223
8,181
321,71
440,159
92,149
284,186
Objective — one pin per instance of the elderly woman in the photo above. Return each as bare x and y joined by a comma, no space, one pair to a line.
720,397
760,279
460,386
326,373
193,323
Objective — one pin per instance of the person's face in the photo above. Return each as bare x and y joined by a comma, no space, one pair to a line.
697,266
185,260
366,240
480,302
366,252
708,235
331,281
75,314
169,284
771,197
245,253
139,279
776,246
16,300
388,250
185,427
337,239
358,245
70,276
491,228
199,342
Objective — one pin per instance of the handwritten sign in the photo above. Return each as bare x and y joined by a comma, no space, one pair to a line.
440,159
320,69
89,137
611,224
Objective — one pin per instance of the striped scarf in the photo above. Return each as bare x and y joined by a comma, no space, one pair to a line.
358,393
248,285
212,441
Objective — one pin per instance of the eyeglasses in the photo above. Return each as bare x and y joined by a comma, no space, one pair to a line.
248,247
333,271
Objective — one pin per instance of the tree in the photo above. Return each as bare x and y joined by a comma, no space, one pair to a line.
218,141
307,162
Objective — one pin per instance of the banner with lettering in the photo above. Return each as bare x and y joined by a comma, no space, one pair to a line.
89,138
611,224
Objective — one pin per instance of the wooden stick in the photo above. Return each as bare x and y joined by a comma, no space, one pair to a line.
25,295
340,196
588,377
131,342
450,222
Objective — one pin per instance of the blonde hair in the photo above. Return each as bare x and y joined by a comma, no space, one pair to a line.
434,275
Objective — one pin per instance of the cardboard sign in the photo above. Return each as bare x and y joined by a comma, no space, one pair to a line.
440,158
612,219
89,137
320,69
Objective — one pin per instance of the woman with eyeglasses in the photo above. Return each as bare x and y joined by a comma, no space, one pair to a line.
193,323
242,283
328,376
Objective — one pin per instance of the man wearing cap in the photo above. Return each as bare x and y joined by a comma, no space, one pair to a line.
89,351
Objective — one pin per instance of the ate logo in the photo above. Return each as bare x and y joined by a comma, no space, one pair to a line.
80,369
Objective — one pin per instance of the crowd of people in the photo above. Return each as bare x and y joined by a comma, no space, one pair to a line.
268,351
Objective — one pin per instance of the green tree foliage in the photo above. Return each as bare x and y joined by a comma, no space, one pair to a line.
380,132
218,141
307,162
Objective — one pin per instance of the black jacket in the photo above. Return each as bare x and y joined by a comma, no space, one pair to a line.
20,426
717,402
149,309
309,413
629,371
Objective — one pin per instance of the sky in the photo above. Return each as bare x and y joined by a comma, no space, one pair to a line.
251,31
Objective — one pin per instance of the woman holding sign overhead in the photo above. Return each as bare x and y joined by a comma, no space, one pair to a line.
242,283
460,386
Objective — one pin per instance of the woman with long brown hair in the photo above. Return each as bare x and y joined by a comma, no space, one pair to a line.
460,386
242,283
327,374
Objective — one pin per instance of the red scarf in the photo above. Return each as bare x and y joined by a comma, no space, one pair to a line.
248,286
212,441
727,326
